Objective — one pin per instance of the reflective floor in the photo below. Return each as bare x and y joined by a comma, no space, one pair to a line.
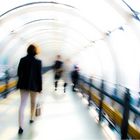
64,116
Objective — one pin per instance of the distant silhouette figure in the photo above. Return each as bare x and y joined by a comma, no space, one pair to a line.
29,83
58,69
75,78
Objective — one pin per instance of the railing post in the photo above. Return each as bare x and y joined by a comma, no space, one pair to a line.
81,84
6,83
101,101
115,92
89,92
124,126
138,105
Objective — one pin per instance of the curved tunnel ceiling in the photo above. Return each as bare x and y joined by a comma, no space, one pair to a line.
86,19
60,21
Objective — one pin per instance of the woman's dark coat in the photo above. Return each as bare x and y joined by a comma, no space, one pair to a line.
29,74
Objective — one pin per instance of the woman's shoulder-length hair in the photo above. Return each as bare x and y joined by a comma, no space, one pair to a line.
32,50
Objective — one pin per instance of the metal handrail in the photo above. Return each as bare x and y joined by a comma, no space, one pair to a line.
113,97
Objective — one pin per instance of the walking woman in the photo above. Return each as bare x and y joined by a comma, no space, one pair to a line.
29,83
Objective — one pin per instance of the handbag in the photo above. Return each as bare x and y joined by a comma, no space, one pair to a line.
38,110
40,100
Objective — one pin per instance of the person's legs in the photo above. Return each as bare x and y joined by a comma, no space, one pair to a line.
56,83
75,85
33,96
24,96
56,78
65,84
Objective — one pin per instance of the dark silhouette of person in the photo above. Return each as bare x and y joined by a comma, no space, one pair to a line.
75,78
29,82
58,69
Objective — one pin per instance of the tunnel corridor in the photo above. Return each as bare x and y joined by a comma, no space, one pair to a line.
101,37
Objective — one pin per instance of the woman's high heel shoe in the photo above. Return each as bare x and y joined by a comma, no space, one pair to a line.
31,121
20,131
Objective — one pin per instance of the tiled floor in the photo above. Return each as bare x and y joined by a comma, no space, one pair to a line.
65,116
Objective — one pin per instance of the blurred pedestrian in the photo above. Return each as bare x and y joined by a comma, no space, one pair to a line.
58,69
29,83
75,77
